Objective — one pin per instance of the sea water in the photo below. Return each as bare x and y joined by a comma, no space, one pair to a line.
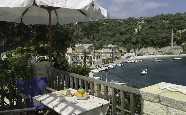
167,70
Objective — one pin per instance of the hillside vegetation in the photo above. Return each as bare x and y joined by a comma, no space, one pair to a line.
134,33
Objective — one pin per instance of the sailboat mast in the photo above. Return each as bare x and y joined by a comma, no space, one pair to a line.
172,39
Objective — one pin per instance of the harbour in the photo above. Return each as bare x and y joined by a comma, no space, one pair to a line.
169,69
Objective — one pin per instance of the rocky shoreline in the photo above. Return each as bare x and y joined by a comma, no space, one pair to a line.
159,56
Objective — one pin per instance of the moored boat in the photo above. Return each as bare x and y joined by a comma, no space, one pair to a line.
144,72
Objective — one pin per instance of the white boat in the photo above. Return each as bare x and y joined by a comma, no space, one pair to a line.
100,69
140,60
104,68
120,83
144,72
130,61
98,78
111,66
119,65
95,71
177,58
157,60
134,61
117,82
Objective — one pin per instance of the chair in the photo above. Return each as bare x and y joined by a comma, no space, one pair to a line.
31,88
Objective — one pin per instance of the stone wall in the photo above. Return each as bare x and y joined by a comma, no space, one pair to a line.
157,101
184,47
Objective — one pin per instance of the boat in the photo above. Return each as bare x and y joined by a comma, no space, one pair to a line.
144,72
130,61
119,65
97,78
134,61
120,83
111,66
157,60
177,58
95,70
117,82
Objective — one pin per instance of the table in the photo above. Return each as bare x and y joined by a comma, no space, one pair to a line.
65,105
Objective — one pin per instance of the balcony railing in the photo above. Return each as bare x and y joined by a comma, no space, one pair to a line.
124,100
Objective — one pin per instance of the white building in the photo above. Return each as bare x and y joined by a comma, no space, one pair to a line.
86,54
83,54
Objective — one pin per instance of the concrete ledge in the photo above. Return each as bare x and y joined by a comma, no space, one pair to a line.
172,111
154,108
150,97
180,105
164,99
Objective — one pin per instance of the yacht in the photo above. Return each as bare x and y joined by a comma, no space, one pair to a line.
134,61
117,82
157,60
144,72
111,66
177,58
95,70
119,65
97,78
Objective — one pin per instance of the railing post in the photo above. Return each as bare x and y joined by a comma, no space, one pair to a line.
80,83
58,82
104,92
91,88
54,81
76,81
132,105
113,101
61,80
122,98
67,80
97,88
71,82
86,85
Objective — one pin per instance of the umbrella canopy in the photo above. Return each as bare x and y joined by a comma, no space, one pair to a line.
50,11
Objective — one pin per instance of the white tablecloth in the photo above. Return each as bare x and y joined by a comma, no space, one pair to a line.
72,106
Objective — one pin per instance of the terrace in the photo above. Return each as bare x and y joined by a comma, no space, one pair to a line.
123,100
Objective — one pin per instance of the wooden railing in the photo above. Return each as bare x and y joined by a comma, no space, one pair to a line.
124,100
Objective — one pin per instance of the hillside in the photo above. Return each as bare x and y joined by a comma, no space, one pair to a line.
134,32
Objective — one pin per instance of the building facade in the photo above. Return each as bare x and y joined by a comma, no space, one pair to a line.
85,54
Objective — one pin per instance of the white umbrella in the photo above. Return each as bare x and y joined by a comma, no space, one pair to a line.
50,12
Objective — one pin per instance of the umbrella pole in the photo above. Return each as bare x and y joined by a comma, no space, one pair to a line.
50,41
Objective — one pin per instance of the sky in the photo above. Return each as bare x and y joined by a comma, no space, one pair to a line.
139,8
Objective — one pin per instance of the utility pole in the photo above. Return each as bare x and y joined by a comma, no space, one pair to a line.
172,39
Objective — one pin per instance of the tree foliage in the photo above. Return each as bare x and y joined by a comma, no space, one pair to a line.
151,31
